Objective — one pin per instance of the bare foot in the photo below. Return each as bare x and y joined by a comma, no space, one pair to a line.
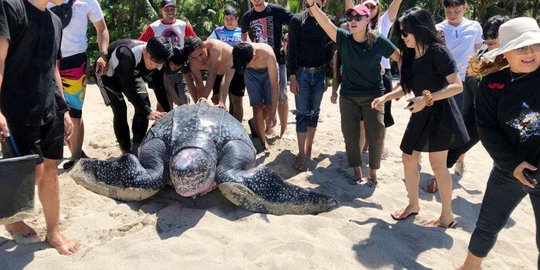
404,213
300,162
357,176
61,243
385,154
444,223
22,233
269,131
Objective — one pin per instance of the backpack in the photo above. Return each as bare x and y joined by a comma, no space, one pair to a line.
64,12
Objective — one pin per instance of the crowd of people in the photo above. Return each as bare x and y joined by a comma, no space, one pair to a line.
468,82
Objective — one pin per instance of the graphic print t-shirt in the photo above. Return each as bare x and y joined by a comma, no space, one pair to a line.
265,26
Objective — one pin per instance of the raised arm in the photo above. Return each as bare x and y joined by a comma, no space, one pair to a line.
329,28
348,4
393,9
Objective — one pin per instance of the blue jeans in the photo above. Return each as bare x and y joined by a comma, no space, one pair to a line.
308,101
502,195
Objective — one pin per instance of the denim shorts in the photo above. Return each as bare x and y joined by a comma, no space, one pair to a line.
258,86
308,100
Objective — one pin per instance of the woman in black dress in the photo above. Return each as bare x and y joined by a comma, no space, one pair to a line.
436,125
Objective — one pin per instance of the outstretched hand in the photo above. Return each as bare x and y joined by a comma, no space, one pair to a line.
378,103
155,115
416,104
221,105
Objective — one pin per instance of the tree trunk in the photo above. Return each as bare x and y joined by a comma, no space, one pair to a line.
514,7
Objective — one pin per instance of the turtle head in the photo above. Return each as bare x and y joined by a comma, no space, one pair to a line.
192,171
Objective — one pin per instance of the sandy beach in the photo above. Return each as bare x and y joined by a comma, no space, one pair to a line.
171,232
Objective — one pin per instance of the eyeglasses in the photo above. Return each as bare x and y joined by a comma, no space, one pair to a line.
356,17
370,7
523,50
491,35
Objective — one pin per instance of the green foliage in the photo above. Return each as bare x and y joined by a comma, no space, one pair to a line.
128,18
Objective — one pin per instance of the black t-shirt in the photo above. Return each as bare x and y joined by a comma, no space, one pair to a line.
265,26
309,45
28,88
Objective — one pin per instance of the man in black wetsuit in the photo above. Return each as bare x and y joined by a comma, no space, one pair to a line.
129,61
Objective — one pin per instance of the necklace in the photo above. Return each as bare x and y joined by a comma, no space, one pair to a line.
512,79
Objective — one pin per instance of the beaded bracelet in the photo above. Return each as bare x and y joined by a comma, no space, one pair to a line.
427,97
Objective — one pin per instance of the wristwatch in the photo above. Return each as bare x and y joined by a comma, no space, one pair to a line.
104,54
308,5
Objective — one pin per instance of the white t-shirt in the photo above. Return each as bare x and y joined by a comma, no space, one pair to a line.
461,41
74,39
384,28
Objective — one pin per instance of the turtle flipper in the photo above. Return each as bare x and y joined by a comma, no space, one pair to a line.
125,178
262,190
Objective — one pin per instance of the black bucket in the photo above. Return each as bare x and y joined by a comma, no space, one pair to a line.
17,180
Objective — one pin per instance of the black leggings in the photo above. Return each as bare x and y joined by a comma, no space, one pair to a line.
139,124
470,88
502,195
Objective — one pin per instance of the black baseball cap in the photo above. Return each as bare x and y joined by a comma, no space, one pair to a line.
166,3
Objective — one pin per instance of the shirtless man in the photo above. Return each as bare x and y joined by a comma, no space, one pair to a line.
257,62
216,57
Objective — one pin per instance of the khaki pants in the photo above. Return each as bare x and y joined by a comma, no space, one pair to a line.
356,109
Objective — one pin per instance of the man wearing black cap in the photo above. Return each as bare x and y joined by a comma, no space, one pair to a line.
175,31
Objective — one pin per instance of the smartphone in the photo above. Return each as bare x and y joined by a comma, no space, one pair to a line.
532,176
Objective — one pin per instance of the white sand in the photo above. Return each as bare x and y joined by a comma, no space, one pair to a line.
170,232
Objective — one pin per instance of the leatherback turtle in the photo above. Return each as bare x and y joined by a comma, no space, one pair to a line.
194,148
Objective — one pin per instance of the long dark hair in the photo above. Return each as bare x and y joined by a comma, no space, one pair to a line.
418,22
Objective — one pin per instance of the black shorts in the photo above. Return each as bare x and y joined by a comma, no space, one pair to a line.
47,140
236,88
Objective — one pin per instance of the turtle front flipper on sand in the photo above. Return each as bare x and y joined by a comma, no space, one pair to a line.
126,178
262,190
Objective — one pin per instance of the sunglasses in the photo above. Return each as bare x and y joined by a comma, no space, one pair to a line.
491,35
356,17
404,33
523,50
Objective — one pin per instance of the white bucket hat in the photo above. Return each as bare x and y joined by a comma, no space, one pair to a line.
514,34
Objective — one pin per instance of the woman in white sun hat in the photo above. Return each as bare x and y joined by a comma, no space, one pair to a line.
508,119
